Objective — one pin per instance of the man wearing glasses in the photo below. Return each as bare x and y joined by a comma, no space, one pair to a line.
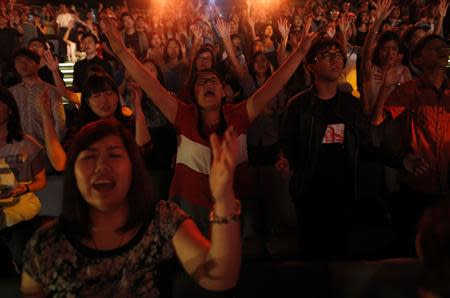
324,135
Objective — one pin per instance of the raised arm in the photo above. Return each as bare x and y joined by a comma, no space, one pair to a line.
165,102
215,265
382,10
52,64
284,28
67,33
223,29
344,25
442,7
259,100
55,151
197,35
142,135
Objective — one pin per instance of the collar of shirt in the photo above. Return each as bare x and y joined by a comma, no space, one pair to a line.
425,83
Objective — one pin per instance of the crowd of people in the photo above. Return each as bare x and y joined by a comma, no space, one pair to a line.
341,108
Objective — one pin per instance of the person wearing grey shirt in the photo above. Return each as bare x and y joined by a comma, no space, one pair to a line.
25,93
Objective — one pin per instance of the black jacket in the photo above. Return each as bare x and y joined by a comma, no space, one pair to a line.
302,134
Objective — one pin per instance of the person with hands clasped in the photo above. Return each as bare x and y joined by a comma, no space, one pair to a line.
423,105
112,234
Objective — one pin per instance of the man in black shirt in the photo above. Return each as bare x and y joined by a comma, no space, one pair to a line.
134,39
82,68
324,135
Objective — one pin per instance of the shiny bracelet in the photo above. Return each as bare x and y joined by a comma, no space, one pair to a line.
214,218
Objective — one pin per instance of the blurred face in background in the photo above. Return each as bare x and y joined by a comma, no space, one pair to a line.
388,52
173,49
204,61
37,47
268,31
156,41
128,22
261,65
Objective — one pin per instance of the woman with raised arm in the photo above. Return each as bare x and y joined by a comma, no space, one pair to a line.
197,120
112,233
99,100
378,56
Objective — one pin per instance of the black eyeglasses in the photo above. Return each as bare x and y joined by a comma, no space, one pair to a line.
329,56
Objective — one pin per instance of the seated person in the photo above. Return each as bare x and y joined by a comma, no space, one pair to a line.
22,172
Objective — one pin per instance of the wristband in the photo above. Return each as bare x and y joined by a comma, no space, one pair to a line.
214,218
28,188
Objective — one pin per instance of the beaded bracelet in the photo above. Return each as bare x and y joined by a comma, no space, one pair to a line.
223,220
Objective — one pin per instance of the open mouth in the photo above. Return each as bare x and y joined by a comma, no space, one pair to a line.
105,109
210,93
104,185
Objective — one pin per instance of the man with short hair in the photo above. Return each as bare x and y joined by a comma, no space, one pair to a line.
134,39
27,64
423,104
325,134
82,68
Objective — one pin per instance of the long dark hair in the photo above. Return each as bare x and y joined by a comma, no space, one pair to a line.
14,127
141,200
166,46
201,124
97,82
251,65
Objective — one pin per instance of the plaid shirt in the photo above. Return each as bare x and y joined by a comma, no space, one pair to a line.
30,115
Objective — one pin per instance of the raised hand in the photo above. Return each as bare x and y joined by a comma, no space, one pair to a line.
196,31
392,75
111,32
443,7
252,21
283,28
136,95
223,28
344,23
224,160
50,61
383,9
306,39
